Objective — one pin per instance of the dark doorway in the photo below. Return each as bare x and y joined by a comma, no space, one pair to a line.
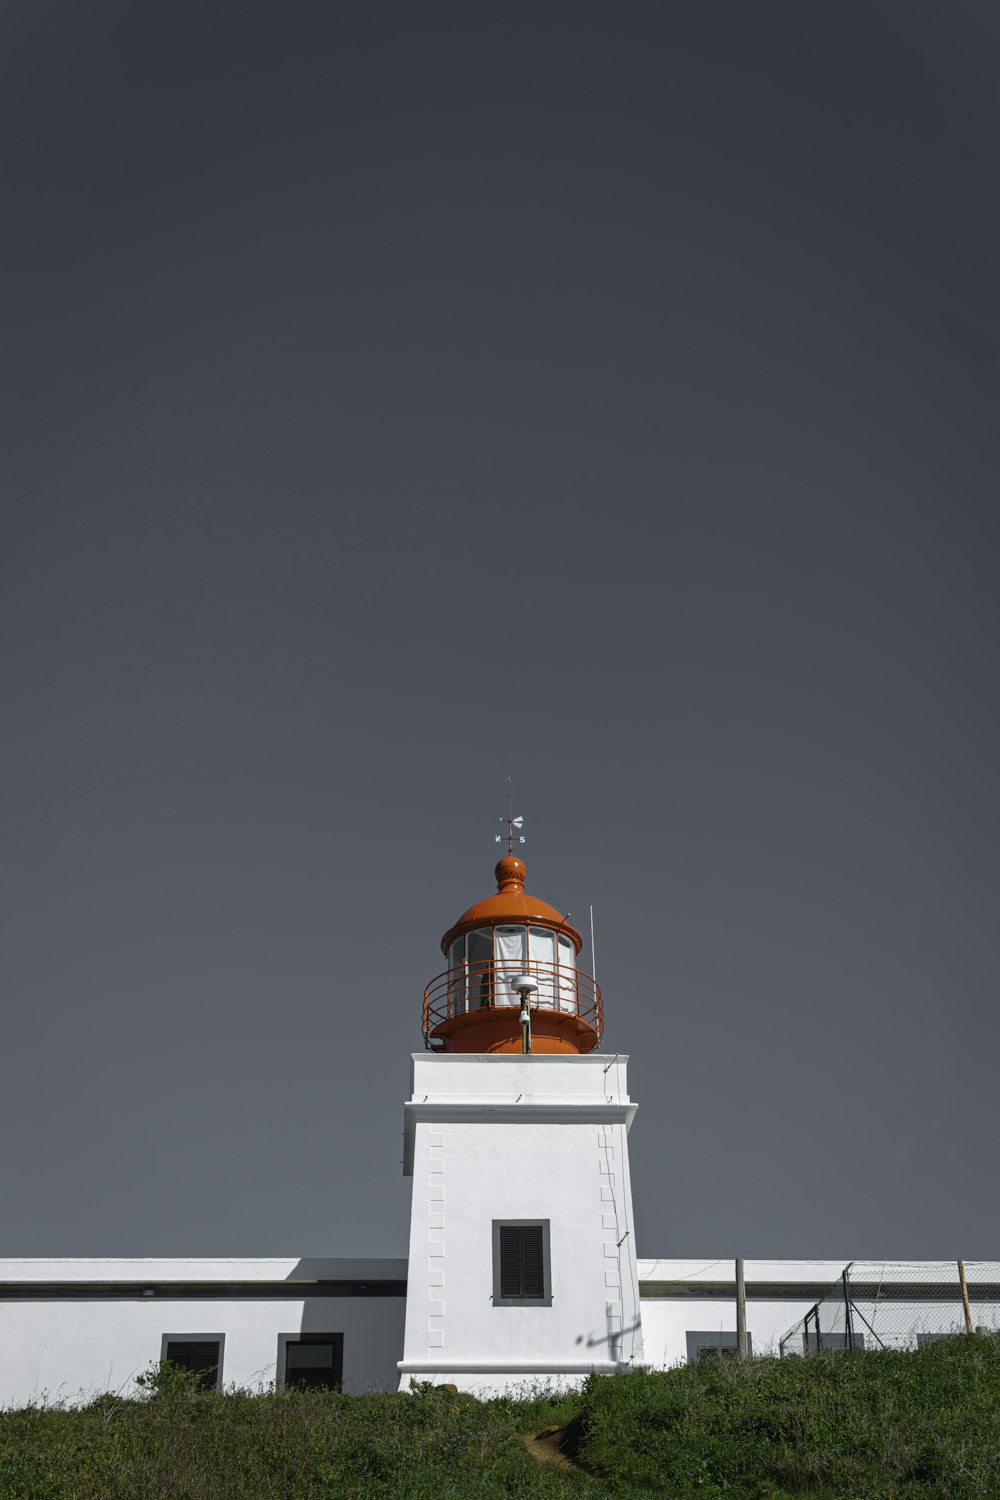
311,1361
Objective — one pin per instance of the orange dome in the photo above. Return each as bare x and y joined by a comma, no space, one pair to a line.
510,906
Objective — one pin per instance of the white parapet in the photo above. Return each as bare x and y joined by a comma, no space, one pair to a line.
493,1139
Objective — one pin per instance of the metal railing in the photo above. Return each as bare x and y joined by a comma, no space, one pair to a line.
488,984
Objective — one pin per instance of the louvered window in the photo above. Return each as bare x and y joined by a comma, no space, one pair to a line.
520,1261
200,1356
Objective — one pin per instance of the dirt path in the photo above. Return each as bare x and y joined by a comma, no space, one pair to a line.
548,1447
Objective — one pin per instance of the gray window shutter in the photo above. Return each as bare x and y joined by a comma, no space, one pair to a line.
532,1277
510,1261
202,1359
522,1273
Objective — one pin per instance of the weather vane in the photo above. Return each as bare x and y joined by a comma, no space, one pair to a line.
511,822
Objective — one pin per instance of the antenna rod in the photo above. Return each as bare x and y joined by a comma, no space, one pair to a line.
593,955
510,818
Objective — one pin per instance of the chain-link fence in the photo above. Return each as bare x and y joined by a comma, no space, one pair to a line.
881,1304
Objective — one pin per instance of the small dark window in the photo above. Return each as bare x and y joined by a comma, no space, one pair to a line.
312,1361
200,1356
521,1262
714,1344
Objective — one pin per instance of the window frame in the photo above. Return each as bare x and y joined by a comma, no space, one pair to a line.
545,1300
336,1339
197,1338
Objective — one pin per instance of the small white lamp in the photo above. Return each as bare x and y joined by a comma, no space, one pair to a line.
525,987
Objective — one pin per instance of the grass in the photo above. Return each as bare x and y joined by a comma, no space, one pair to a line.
432,1446
876,1426
879,1425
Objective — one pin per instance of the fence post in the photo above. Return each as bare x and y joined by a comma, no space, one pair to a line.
741,1313
965,1296
848,1321
814,1314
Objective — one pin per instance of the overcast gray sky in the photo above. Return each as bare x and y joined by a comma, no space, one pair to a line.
402,396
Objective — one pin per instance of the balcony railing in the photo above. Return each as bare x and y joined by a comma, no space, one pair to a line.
480,986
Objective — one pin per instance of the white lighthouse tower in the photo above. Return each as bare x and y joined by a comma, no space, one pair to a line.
522,1265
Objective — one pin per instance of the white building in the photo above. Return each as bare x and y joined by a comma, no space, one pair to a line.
71,1329
522,1265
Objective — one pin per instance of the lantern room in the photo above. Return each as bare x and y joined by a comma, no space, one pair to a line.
512,983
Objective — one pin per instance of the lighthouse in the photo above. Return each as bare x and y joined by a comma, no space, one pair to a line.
522,1263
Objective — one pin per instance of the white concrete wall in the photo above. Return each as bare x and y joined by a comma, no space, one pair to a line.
666,1322
511,1137
73,1349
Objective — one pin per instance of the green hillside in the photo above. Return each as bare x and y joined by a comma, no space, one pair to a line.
879,1426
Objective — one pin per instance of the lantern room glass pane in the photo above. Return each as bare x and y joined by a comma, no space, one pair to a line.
480,965
568,993
542,951
508,962
457,996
